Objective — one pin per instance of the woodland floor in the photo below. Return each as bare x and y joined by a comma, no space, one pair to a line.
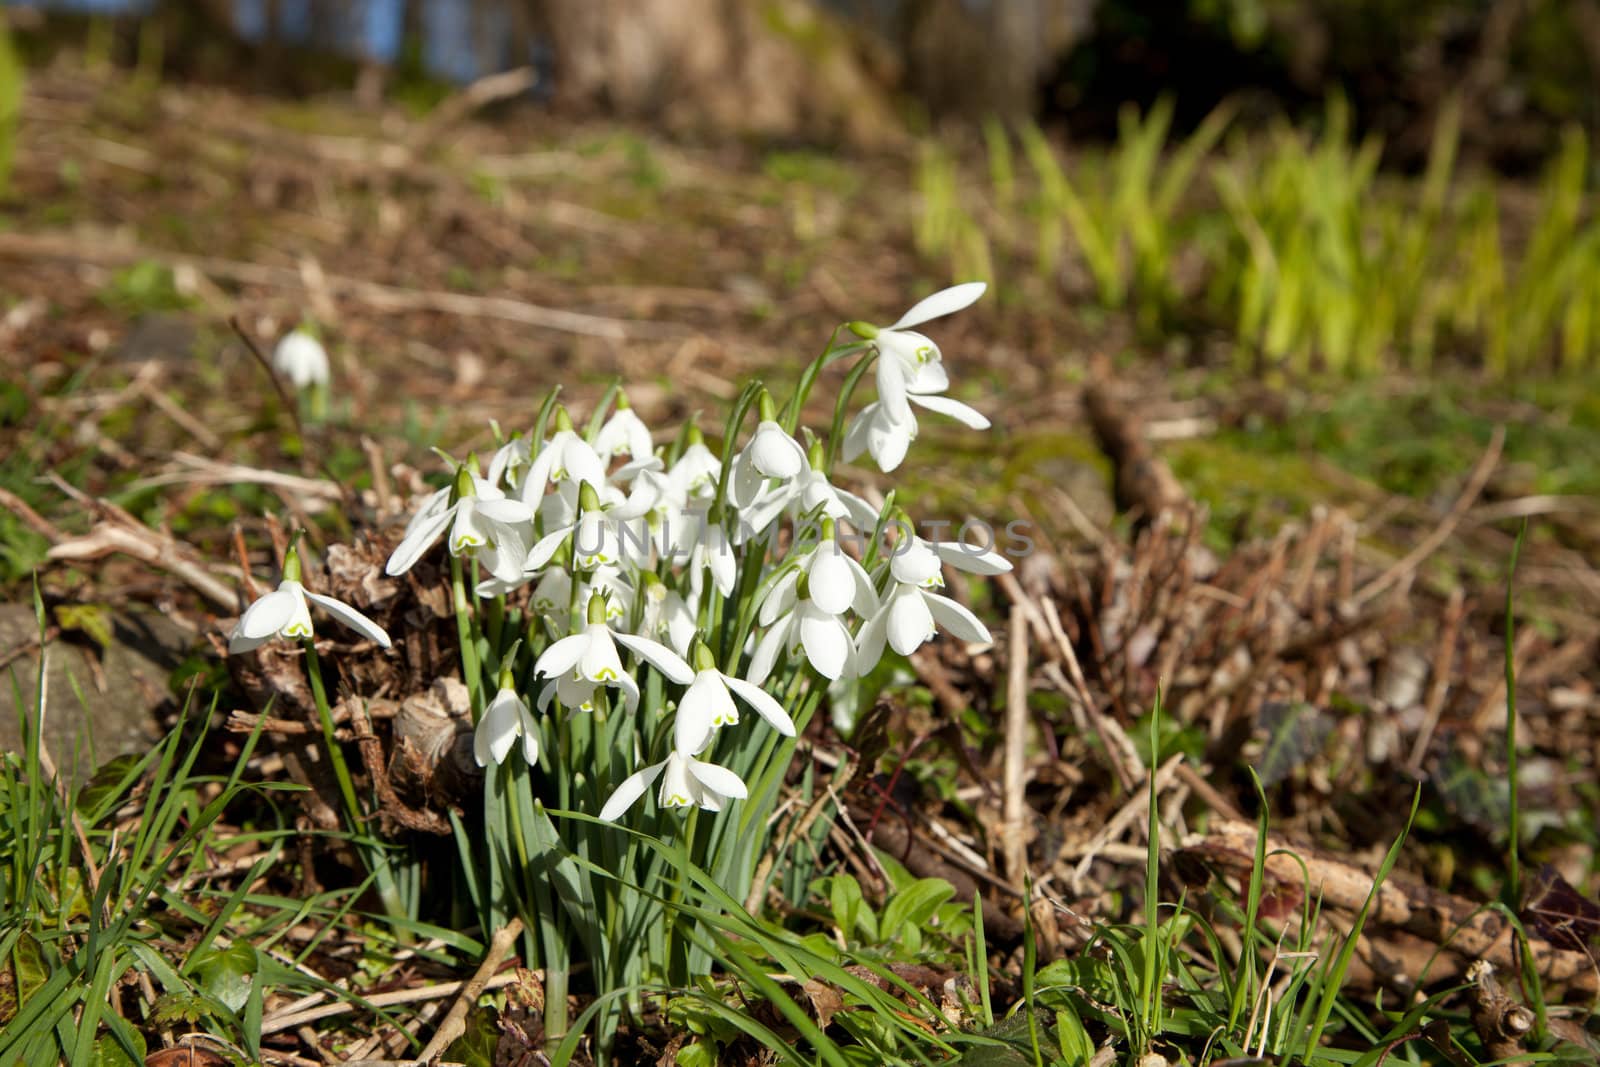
1331,615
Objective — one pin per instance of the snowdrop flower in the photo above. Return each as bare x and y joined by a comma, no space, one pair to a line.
694,476
591,656
285,613
887,438
667,615
505,719
624,432
907,360
708,702
595,538
911,609
771,453
566,456
484,524
301,358
702,546
805,610
686,781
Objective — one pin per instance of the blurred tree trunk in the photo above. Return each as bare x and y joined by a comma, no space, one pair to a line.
775,67
988,57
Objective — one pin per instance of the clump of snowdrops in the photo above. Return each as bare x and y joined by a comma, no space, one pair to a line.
621,605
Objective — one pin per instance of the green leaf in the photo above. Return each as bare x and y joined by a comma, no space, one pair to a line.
28,964
698,1054
226,973
478,1042
91,620
109,782
914,905
108,1052
1296,732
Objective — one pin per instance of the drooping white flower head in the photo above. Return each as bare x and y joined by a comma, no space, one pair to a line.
505,720
685,780
907,360
708,703
694,476
911,611
624,432
886,437
285,613
565,456
301,358
805,610
591,656
483,522
771,453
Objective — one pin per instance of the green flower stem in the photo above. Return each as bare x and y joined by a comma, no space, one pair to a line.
341,769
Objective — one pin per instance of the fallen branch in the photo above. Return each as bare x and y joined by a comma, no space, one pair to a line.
30,247
455,1023
1467,929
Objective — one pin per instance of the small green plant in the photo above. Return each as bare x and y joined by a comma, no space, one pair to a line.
103,907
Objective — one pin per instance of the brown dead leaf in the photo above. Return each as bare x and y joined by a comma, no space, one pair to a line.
185,1056
825,1001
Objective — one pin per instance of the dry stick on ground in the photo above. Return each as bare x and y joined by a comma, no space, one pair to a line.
1048,629
455,1024
376,295
795,830
117,531
287,1021
1444,656
1465,928
1137,805
474,97
1441,533
1014,810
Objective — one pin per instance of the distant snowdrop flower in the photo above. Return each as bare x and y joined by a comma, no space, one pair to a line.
301,358
908,361
285,613
694,476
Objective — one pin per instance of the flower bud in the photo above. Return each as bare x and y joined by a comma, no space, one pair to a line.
864,330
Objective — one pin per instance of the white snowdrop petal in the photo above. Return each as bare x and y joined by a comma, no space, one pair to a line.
973,559
658,656
944,302
416,542
719,780
944,405
910,620
562,656
831,584
266,617
870,641
763,702
351,618
827,644
955,618
628,793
